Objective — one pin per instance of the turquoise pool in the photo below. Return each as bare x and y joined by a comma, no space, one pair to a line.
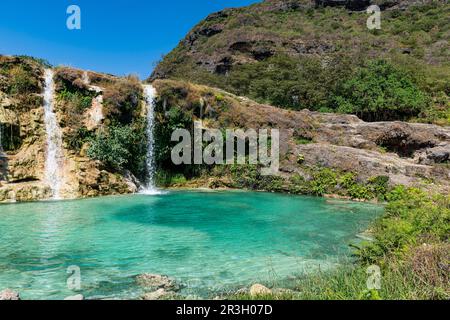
209,241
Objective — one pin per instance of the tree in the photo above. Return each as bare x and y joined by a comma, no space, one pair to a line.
112,147
380,92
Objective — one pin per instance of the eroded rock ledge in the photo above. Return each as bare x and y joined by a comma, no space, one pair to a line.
410,154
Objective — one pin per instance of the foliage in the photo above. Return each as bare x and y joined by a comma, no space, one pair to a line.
122,100
79,101
349,282
22,80
412,217
294,83
312,52
250,177
381,91
173,119
77,138
120,147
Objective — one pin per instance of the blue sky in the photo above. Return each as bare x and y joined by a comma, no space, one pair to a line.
116,36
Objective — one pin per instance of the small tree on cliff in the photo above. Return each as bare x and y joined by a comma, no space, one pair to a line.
112,147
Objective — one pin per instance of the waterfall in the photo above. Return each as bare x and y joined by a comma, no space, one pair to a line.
54,157
150,94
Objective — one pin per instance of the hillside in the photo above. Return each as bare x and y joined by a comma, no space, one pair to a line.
320,55
86,103
103,124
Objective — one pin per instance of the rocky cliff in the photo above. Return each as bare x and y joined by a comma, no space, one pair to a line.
298,54
102,120
24,141
408,154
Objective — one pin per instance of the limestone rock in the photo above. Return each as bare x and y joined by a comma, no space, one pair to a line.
159,294
259,290
77,297
156,281
9,295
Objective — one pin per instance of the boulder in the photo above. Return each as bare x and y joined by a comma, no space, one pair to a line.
259,290
156,281
77,297
159,294
9,295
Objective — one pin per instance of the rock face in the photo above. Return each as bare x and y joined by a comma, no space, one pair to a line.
22,156
9,295
411,154
228,39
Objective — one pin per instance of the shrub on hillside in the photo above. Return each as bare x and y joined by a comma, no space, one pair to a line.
22,81
412,217
119,148
380,92
121,99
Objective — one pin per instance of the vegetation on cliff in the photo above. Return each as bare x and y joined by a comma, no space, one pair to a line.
119,142
20,88
294,55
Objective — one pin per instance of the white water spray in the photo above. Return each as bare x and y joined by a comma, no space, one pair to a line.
150,94
54,157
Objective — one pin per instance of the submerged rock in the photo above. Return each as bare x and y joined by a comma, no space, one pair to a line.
157,281
159,294
9,295
259,290
75,297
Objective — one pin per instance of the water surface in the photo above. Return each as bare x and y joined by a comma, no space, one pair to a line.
210,241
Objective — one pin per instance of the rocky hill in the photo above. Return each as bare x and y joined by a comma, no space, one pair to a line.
80,115
294,65
102,120
300,54
313,145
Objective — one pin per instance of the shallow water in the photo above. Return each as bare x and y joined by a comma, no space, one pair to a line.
210,241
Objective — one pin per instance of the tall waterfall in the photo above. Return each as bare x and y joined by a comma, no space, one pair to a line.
54,157
150,94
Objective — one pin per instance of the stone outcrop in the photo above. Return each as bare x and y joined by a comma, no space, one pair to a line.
412,154
160,287
9,295
78,297
159,294
259,290
156,281
22,158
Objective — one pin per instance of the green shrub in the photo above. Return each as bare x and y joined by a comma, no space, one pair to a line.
80,101
324,181
411,216
121,100
22,81
381,91
77,138
120,147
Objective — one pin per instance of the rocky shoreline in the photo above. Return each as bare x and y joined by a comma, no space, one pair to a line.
161,287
